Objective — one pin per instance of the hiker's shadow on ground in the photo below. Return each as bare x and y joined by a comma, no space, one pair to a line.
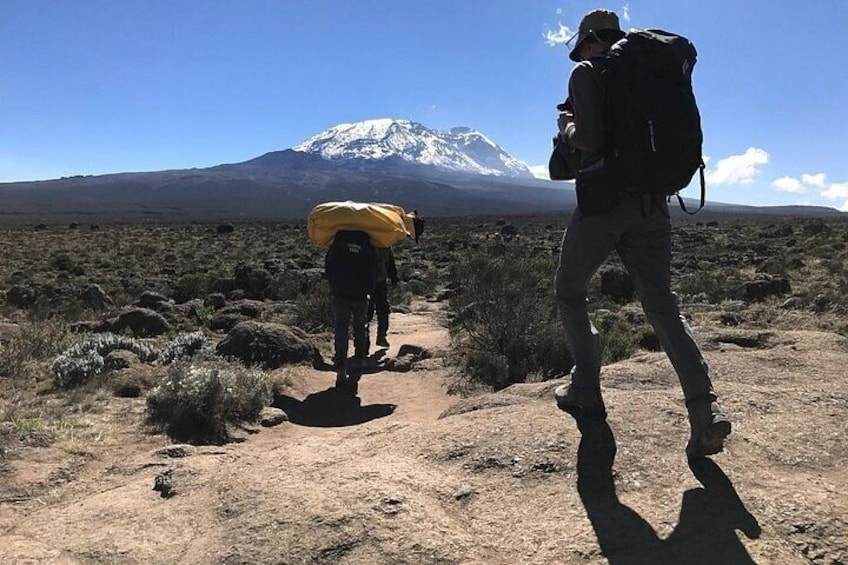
331,408
709,516
375,363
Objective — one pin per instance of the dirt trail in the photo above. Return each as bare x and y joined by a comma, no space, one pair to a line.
411,474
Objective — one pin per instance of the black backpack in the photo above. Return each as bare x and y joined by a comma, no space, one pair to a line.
653,139
351,265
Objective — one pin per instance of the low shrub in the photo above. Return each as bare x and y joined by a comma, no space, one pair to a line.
196,401
619,339
313,309
504,307
86,359
489,369
34,342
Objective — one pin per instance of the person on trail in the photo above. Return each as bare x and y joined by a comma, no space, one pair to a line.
638,228
379,302
350,266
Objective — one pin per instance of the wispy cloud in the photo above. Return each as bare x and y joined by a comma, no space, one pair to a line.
739,169
792,184
788,184
836,191
554,37
625,12
818,180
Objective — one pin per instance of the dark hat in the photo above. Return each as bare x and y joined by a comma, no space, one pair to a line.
593,22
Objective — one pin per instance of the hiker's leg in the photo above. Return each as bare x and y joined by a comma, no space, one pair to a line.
380,299
585,246
341,322
360,329
647,256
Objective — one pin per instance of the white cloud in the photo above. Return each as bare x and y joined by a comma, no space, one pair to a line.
819,180
844,207
559,36
836,191
739,169
540,171
788,184
625,12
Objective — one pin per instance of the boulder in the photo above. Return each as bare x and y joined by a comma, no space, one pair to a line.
142,322
252,280
765,286
268,345
150,299
216,301
95,297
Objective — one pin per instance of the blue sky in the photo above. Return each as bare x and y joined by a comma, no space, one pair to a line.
100,86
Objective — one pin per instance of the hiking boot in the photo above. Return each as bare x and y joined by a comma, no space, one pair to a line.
352,385
382,341
579,401
709,428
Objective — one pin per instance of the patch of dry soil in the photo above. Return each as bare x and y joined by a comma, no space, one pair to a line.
411,474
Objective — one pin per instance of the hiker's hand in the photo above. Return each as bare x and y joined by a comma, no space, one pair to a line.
563,119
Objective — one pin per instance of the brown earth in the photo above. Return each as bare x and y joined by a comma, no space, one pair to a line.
413,474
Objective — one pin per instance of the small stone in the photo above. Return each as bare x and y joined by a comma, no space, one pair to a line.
176,450
270,417
164,483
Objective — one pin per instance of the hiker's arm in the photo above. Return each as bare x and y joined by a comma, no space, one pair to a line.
586,131
391,268
328,263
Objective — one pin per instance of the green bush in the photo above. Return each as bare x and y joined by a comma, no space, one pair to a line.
489,369
504,306
619,339
196,402
716,284
313,309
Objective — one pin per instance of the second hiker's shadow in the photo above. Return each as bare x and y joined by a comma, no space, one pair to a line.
330,408
709,516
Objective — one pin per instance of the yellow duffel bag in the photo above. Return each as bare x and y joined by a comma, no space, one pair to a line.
384,224
407,217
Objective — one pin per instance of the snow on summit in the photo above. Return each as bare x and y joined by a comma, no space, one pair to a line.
461,149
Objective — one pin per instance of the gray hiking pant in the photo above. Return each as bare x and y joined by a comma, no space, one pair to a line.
642,237
343,310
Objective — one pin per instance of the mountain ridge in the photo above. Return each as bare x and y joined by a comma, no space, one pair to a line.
286,184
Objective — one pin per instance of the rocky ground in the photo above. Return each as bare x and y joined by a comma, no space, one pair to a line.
410,472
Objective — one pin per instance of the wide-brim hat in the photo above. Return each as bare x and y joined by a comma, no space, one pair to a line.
592,23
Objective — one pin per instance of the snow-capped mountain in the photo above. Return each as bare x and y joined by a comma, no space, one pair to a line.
461,149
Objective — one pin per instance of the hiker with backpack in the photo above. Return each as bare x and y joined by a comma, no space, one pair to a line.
379,301
350,265
634,121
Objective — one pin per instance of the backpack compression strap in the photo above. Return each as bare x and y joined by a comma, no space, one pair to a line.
703,192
